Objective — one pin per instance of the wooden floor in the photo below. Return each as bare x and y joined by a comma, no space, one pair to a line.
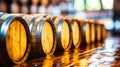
107,56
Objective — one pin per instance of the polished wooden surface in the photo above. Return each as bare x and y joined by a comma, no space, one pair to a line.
108,55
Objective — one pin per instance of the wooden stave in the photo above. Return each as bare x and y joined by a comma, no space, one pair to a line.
33,53
9,20
7,59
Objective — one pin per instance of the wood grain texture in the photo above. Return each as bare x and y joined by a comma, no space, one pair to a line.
76,33
47,37
65,35
16,40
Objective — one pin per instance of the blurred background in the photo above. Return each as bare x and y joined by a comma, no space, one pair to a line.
107,11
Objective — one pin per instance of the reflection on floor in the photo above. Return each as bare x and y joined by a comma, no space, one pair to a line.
107,56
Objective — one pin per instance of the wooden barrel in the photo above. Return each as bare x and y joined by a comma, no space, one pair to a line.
99,31
98,34
86,38
93,34
14,40
76,31
64,33
43,35
104,33
93,31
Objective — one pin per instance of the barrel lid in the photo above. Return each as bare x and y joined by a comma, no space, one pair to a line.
77,33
